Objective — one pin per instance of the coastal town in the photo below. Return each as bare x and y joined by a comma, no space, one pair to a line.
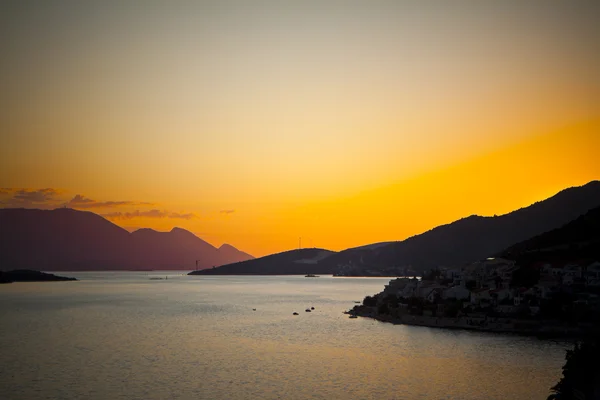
495,294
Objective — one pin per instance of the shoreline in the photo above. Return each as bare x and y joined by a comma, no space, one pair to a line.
491,325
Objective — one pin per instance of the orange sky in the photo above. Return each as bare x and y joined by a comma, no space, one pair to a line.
345,123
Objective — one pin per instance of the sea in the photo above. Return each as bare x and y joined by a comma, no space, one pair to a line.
125,335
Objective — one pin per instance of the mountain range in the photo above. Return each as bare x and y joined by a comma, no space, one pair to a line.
67,239
455,244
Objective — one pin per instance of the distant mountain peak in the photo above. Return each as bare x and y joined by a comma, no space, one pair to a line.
145,230
234,253
180,231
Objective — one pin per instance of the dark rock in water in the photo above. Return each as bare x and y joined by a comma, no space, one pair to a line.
27,275
307,310
295,313
312,308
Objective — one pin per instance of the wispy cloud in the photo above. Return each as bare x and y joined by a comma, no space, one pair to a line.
154,213
187,216
80,201
30,198
49,198
35,196
227,212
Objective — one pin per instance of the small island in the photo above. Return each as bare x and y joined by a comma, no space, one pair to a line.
28,275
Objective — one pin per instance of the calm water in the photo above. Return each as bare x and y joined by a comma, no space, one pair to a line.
124,336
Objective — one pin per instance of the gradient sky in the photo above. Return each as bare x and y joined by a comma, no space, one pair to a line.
257,122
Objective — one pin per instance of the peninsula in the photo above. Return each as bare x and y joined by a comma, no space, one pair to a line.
27,275
308,261
549,286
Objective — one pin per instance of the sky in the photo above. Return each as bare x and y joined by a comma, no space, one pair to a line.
255,123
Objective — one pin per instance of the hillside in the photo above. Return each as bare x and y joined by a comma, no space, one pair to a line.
474,237
293,262
67,239
579,239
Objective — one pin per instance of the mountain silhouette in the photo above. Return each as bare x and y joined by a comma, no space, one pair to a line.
67,239
474,237
292,262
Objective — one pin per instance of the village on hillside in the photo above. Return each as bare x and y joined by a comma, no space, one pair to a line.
495,294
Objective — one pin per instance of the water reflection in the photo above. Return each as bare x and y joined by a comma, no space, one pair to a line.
122,335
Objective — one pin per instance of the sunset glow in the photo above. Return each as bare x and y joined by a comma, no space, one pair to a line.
344,123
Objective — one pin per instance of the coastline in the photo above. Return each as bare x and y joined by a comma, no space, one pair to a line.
480,324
